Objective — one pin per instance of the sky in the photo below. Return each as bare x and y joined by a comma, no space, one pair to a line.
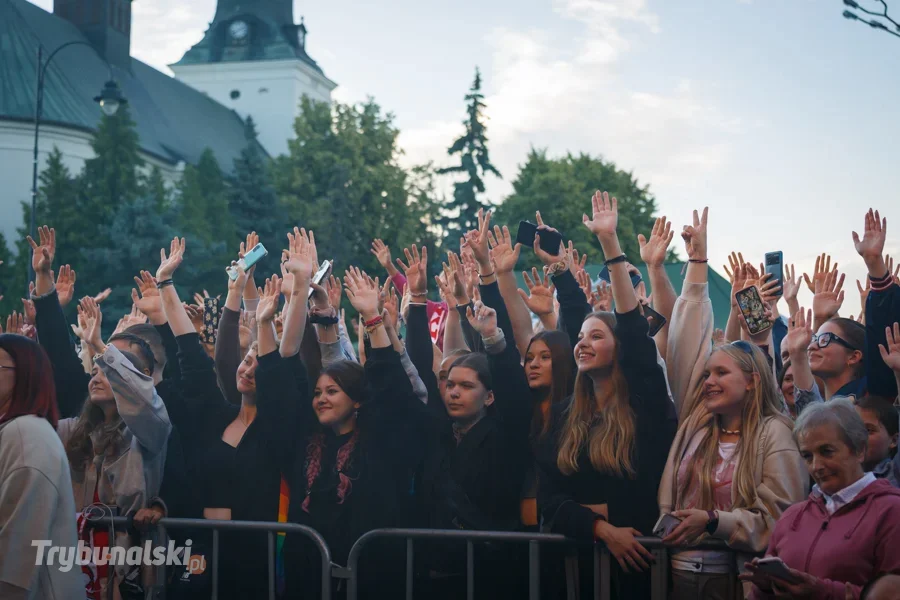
778,115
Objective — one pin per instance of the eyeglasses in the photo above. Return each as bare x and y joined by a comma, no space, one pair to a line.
823,340
7,367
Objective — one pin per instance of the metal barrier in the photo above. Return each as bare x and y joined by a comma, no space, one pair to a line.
659,574
268,526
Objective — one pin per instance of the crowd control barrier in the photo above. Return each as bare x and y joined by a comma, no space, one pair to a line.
601,563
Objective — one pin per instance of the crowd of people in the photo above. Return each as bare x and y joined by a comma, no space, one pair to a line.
563,409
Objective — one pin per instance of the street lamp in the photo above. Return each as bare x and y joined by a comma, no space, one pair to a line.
110,99
873,23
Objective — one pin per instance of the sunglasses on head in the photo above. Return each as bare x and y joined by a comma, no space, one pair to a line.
823,340
745,346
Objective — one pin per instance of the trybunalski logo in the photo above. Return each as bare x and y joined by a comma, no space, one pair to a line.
68,556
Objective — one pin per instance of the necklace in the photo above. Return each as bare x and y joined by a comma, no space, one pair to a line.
729,432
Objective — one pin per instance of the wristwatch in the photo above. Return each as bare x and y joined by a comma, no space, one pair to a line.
713,523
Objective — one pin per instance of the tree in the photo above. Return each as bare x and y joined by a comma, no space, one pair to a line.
111,178
471,146
252,199
561,190
341,178
154,185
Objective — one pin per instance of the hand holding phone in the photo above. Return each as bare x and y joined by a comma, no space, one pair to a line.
550,240
775,567
775,268
210,329
665,525
753,309
256,254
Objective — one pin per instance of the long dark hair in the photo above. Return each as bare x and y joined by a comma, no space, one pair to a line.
854,334
562,378
350,376
34,392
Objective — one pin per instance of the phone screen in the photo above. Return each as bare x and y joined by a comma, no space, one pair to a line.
775,567
775,267
550,240
656,320
751,305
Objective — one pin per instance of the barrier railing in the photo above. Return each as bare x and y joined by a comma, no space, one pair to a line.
271,528
659,574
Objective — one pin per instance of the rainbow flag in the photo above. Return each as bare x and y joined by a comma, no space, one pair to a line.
284,496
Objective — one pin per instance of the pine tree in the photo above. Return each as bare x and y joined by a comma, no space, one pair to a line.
252,199
474,162
154,185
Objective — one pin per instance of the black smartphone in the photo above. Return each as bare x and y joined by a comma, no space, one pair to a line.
775,267
751,305
550,240
210,321
635,277
656,320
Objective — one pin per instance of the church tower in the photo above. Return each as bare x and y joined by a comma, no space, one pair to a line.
253,60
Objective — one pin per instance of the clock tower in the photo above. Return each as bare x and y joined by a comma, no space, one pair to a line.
253,60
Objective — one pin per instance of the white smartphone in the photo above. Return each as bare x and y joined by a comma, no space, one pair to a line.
665,525
320,276
774,566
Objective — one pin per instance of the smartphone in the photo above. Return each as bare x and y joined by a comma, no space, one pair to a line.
256,254
775,267
774,566
665,525
320,276
210,321
550,240
635,277
751,305
656,320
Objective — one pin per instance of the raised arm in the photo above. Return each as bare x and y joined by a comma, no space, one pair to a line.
882,305
603,224
137,402
505,256
228,341
300,264
797,342
653,253
453,290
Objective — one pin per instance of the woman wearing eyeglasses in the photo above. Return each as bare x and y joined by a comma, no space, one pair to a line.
733,467
835,355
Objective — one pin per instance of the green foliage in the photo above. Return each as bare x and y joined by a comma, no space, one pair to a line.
341,179
561,188
252,198
471,146
154,186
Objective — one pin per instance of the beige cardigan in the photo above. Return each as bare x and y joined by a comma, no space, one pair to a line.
780,474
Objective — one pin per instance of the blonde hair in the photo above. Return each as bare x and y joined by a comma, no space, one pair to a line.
760,403
608,431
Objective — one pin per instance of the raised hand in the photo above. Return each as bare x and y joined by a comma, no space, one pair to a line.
382,253
655,250
65,285
102,295
539,298
576,264
605,215
718,337
768,289
43,253
736,260
93,318
146,297
249,243
503,254
871,246
799,333
864,292
457,279
545,257
415,270
78,329
195,314
601,300
478,240
334,290
134,317
300,256
15,323
28,311
169,264
738,281
893,272
392,310
694,236
822,269
891,354
483,319
269,296
791,284
585,283
828,298
363,293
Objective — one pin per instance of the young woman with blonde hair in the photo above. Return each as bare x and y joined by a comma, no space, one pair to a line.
733,467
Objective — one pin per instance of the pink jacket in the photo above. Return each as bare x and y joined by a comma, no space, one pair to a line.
845,550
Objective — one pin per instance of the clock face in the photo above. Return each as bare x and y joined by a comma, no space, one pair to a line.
238,30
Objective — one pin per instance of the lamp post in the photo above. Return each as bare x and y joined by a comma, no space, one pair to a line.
110,99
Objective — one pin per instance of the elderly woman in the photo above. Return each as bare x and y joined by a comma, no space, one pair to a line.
842,536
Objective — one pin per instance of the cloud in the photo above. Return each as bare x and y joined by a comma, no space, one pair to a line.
567,94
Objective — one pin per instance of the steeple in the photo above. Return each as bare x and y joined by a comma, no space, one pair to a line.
251,30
